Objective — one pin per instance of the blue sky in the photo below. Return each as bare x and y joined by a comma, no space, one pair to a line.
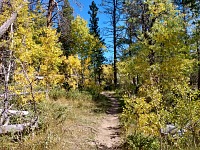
103,18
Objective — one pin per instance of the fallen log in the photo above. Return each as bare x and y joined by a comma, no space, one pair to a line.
16,112
13,128
171,129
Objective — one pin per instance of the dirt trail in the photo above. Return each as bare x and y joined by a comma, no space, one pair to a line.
108,135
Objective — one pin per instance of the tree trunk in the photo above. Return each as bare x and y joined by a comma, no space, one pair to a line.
115,43
198,55
51,7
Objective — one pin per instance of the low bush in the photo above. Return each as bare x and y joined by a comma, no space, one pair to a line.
141,142
78,95
56,93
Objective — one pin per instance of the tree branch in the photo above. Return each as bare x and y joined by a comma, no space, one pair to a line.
7,24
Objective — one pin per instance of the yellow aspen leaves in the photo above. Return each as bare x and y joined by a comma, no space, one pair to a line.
36,50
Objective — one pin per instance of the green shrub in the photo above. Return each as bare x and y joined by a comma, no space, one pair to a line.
139,141
78,95
50,113
57,93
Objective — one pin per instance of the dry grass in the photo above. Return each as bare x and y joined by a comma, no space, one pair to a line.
68,124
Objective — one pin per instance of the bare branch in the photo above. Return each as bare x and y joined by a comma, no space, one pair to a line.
16,112
7,24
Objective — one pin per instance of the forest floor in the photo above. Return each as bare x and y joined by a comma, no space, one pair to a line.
76,122
108,135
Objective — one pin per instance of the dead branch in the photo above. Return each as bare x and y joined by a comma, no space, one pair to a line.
16,112
22,93
30,85
11,20
7,24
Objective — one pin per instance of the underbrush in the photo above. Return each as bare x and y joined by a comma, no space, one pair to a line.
147,127
138,142
141,142
67,121
102,104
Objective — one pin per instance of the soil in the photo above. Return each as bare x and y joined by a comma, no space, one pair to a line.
109,131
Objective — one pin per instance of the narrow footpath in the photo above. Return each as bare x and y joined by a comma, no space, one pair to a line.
108,133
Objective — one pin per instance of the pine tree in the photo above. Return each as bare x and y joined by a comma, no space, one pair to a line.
137,21
66,17
97,54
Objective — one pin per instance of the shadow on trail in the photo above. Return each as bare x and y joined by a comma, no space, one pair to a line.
103,147
108,103
109,129
102,103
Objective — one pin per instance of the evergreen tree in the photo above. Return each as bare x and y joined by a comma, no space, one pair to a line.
66,17
137,21
97,54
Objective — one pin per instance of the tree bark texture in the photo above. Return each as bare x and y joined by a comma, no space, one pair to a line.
115,42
